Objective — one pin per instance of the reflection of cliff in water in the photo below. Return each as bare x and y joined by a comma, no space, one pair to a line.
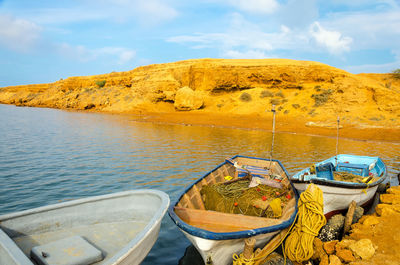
62,155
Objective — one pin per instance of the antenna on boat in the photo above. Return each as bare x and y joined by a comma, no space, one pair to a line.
337,140
273,135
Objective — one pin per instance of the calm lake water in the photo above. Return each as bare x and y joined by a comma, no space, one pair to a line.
49,156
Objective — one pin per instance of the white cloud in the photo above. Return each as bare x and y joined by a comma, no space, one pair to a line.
117,55
298,13
154,11
58,16
249,54
244,39
126,56
18,34
373,68
25,36
149,12
363,3
256,6
369,30
332,40
122,55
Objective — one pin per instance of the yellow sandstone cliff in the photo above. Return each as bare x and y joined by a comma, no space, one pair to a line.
309,94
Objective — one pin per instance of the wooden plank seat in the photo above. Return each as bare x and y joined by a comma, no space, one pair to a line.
222,222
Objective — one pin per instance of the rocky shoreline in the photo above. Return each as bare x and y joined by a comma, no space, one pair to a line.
373,239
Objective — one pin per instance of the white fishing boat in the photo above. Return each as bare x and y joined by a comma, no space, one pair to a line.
364,174
218,235
118,228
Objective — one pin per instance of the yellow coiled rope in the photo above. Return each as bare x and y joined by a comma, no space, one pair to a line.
241,260
299,244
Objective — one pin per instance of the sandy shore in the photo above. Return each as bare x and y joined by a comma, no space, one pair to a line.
283,124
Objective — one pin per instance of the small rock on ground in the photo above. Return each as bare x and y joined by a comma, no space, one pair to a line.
331,231
358,213
276,259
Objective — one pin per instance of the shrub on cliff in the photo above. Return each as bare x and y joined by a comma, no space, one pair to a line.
396,73
275,101
322,98
245,97
279,94
266,93
100,83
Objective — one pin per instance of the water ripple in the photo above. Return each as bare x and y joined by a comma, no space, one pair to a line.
48,156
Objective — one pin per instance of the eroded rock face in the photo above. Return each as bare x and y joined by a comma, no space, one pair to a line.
187,99
307,90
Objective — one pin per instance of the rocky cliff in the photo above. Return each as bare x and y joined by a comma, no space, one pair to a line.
310,91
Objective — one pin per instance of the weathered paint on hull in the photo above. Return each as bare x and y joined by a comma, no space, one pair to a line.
338,198
220,252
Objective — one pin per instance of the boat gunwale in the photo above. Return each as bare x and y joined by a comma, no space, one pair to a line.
129,247
206,234
341,184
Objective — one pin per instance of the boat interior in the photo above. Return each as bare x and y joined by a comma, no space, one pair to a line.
108,226
191,208
347,168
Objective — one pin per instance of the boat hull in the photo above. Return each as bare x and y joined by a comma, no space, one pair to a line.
337,199
217,236
139,253
123,226
338,194
221,251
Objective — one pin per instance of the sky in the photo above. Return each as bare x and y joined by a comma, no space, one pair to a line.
44,41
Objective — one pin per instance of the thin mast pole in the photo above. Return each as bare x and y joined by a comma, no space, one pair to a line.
337,140
273,133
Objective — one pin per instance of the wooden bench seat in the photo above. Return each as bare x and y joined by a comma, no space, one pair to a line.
222,222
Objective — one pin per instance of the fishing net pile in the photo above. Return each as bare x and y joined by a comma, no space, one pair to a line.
349,177
238,198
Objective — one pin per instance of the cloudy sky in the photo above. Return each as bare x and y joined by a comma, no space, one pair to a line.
43,41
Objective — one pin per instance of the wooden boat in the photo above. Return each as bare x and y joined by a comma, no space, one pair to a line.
337,191
118,228
217,235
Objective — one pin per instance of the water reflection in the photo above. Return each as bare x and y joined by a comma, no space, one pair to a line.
47,156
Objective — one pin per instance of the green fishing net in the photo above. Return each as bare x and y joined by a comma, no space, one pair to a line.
349,177
236,197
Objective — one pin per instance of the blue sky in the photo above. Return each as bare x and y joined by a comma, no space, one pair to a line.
43,41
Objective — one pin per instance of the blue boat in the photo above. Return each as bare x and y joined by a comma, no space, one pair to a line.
217,235
342,179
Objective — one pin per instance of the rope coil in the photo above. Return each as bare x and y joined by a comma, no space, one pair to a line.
299,244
